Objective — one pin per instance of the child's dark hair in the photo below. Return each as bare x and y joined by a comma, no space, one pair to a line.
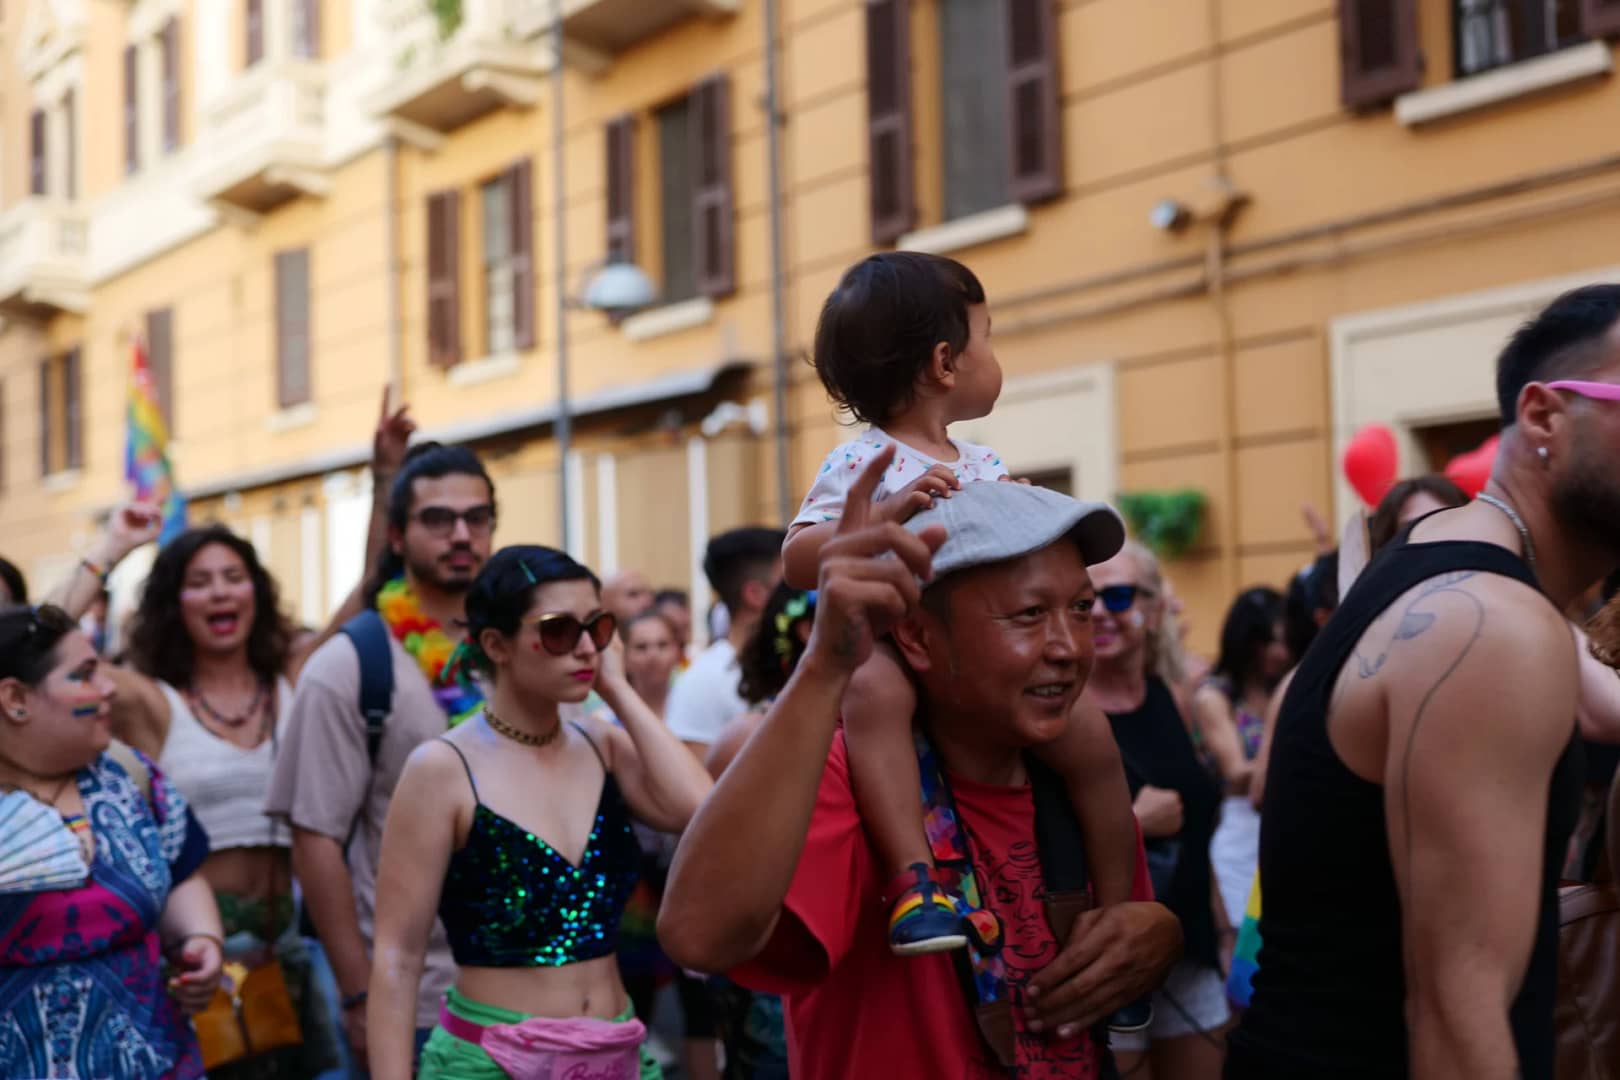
424,461
504,589
28,640
880,326
1250,623
768,659
160,646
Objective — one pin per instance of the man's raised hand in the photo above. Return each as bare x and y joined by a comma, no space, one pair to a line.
861,595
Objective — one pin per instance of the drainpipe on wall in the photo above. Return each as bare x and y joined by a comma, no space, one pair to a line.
396,336
779,353
1215,274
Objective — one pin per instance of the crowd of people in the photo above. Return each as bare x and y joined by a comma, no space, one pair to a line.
945,793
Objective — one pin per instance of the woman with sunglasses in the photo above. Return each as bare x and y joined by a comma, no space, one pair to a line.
110,936
515,830
1176,801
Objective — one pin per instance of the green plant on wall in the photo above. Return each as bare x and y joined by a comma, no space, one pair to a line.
1166,521
448,14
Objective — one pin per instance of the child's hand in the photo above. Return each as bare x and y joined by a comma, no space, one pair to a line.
919,495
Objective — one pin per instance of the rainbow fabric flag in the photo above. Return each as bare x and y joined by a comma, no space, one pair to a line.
1246,953
146,450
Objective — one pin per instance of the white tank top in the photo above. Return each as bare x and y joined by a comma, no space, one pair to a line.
225,784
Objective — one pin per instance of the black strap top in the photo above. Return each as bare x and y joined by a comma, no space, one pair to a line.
1330,995
511,900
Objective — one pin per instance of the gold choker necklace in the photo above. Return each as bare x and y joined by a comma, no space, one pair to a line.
518,735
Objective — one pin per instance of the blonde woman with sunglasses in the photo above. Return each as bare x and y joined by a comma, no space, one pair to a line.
515,830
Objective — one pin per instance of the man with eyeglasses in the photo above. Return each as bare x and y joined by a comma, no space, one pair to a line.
1425,773
334,779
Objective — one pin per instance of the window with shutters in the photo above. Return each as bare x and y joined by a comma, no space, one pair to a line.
36,152
292,328
999,128
1490,33
160,361
70,143
253,30
499,309
695,214
306,28
132,108
61,428
444,278
169,76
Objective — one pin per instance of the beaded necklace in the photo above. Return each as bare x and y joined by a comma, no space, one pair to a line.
431,648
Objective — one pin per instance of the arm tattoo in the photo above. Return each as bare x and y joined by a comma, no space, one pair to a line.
1423,707
1413,622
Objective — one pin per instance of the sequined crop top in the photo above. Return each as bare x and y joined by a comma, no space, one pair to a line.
511,900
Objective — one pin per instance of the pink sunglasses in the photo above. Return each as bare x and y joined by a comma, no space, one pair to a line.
1602,390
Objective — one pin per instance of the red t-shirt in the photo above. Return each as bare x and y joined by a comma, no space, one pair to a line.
856,1009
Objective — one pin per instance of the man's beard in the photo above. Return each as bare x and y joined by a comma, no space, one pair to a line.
429,571
1586,498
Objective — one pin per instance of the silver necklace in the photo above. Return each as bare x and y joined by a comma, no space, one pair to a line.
1518,523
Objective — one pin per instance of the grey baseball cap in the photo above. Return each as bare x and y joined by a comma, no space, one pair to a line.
991,522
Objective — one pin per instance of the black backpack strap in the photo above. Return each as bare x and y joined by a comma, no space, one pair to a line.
369,634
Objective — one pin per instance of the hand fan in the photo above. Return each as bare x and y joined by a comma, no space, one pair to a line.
38,852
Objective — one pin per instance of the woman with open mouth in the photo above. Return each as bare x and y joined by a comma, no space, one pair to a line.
515,830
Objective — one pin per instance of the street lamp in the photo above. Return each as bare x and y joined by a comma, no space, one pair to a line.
617,288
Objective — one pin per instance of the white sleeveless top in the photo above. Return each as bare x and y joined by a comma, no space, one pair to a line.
225,784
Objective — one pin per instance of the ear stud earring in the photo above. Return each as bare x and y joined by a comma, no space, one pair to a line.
1541,452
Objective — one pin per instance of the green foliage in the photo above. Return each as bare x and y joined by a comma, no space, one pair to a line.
1166,521
448,14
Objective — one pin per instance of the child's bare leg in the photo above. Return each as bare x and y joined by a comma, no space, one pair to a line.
1087,759
878,710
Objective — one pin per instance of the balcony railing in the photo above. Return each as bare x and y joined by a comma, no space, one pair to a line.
263,137
44,258
449,71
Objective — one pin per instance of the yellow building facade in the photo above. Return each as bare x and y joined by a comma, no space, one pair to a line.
1218,236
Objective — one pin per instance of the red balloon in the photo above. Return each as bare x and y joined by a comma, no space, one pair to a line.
1369,462
1472,470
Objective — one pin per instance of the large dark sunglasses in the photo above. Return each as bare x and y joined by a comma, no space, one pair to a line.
1118,599
560,632
441,520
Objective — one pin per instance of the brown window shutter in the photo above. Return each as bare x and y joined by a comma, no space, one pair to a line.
307,34
292,327
1600,18
713,247
132,130
36,152
254,23
444,278
70,115
73,406
621,190
888,102
46,435
160,361
1033,122
170,41
520,189
1378,46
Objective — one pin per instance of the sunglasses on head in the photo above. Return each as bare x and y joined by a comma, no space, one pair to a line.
1120,598
560,632
1599,390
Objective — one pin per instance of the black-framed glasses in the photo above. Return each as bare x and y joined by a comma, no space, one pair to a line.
1118,599
441,520
560,632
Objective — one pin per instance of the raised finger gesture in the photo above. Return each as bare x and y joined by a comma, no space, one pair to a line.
861,594
393,437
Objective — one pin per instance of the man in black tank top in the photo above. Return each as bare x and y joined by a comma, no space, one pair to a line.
1425,775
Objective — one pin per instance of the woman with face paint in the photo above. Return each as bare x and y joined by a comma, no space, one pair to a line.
515,830
110,937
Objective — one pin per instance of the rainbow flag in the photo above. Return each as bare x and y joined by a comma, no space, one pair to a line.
146,450
1246,954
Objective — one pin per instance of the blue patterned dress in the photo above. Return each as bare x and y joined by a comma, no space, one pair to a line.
82,983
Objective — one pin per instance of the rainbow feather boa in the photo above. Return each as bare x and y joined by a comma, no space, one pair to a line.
443,664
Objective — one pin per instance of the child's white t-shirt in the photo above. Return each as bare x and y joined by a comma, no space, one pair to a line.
826,499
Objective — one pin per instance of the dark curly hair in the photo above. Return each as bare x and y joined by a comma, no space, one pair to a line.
159,645
28,640
769,657
504,590
880,326
1385,521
